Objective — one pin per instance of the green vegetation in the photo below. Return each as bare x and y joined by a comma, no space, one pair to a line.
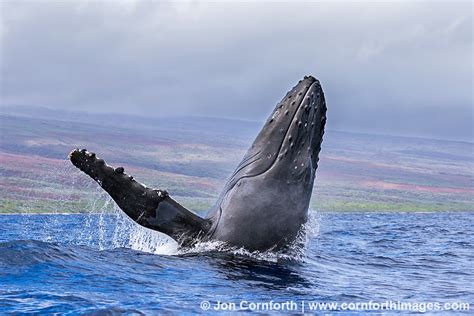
192,159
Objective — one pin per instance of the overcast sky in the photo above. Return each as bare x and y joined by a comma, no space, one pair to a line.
401,67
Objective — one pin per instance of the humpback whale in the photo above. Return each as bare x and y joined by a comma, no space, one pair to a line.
263,205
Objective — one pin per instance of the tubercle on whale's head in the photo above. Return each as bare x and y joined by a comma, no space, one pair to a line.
300,119
290,140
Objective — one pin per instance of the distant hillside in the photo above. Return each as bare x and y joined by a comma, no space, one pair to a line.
192,156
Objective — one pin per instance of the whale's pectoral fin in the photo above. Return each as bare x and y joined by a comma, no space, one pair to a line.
150,208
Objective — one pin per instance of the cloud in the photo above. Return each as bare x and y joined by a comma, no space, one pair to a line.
386,67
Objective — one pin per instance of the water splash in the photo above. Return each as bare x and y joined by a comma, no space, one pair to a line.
117,230
107,227
295,252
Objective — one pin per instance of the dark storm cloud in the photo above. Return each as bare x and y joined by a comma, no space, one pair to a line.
386,67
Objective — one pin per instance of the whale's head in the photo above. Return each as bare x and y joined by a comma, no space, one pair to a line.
269,192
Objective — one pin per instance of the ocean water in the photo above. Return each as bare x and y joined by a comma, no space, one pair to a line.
104,263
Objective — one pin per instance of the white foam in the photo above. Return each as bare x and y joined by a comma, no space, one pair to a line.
296,251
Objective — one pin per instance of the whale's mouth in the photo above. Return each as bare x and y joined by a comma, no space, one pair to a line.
291,138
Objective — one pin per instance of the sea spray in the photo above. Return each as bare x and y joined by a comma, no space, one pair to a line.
107,227
295,252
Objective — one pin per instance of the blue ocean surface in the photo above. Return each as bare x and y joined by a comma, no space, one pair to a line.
104,263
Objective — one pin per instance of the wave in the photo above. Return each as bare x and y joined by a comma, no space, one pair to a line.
47,236
23,253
